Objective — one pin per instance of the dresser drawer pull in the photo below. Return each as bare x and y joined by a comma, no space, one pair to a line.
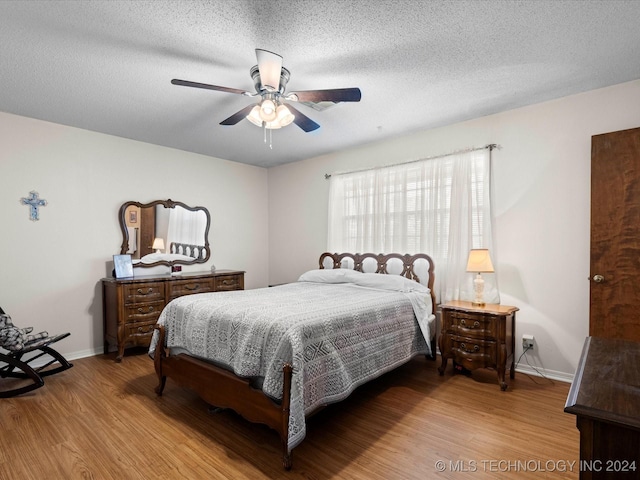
464,347
150,309
149,290
475,324
192,287
229,282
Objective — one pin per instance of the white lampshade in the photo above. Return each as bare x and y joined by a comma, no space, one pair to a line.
268,110
158,244
285,117
479,261
254,116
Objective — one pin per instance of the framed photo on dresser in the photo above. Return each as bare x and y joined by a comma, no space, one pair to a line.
123,266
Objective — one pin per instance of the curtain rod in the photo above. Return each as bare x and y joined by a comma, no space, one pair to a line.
490,146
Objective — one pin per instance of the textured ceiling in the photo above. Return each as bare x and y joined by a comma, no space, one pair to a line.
106,66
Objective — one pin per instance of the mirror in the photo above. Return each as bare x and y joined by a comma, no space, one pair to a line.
164,232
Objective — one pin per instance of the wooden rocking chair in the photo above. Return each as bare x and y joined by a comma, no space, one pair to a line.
16,362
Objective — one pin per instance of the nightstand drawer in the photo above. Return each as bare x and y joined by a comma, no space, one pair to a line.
475,352
229,282
178,288
147,312
476,326
143,292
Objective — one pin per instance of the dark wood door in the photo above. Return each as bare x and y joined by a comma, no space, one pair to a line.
615,235
147,230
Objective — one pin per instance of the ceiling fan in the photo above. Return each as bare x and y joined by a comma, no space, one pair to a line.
270,79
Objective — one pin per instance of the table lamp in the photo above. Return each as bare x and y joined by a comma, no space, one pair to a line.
158,244
479,262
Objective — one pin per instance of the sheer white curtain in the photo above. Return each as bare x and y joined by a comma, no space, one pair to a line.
186,226
439,206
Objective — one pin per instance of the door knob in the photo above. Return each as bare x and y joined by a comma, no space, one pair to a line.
598,278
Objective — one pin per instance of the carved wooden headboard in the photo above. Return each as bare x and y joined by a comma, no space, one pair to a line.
193,251
405,265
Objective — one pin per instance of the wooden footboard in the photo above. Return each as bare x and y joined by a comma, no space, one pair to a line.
223,389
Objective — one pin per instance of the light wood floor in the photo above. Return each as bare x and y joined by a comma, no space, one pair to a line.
102,420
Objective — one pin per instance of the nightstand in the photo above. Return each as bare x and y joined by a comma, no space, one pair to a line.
478,337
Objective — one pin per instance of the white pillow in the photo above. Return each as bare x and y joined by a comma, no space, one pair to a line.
169,257
396,283
323,275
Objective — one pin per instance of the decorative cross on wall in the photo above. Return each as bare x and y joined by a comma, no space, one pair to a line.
34,203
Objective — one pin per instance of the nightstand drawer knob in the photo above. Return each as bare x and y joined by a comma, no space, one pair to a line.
475,324
598,278
464,347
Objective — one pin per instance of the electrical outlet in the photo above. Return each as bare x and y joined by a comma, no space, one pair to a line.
527,342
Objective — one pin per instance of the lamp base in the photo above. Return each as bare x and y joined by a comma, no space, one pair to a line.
478,286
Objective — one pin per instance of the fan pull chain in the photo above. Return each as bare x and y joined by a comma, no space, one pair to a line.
264,127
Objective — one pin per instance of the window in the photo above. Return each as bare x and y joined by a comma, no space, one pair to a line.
437,206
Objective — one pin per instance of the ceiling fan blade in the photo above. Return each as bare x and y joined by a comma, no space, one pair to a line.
301,120
333,95
236,117
270,66
187,83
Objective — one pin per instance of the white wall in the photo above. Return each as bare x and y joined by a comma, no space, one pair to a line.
542,197
51,269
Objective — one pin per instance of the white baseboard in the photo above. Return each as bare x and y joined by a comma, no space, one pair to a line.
541,372
69,356
92,352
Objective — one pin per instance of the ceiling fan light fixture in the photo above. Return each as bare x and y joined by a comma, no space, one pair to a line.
284,116
254,116
268,110
270,80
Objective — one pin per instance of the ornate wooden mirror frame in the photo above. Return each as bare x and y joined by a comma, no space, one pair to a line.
204,252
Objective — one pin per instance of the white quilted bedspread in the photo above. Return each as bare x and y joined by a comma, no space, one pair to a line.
336,336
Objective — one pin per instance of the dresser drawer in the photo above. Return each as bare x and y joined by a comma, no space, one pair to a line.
177,288
147,312
143,292
474,326
140,329
474,352
229,282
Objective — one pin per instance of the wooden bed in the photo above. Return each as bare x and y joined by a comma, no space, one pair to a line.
221,388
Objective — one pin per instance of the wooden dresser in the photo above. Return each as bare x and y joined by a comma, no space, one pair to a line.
478,337
605,398
131,306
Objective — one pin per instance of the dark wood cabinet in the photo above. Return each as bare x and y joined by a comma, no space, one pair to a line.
131,306
478,337
605,398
